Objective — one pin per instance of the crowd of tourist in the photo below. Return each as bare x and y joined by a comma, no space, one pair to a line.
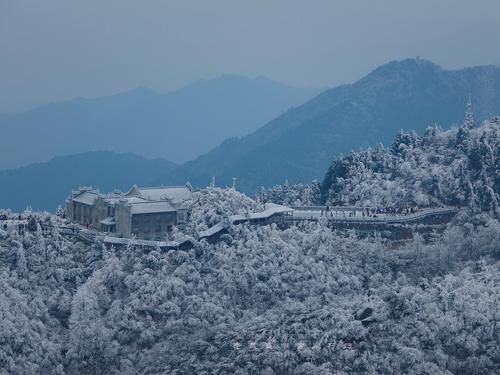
369,212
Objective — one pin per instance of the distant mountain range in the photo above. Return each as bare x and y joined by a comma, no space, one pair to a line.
178,126
44,186
299,145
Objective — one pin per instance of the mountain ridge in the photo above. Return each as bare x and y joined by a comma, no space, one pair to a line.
178,126
299,144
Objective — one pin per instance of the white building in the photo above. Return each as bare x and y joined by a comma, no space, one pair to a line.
146,213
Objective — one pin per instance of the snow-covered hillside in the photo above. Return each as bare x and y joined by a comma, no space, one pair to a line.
458,167
303,300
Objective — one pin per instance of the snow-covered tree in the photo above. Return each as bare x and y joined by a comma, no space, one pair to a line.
458,167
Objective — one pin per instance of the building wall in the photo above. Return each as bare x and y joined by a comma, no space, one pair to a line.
153,226
99,212
82,213
102,210
69,210
122,219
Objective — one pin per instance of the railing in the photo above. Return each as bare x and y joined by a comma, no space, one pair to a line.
340,208
424,214
378,219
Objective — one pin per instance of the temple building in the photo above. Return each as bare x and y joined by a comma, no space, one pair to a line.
145,213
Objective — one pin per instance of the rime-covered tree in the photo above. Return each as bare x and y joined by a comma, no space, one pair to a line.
458,167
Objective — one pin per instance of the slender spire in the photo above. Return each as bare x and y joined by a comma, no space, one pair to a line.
469,116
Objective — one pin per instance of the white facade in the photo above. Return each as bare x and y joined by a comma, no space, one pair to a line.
145,213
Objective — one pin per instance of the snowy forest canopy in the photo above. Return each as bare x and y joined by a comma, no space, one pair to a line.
263,300
270,300
457,167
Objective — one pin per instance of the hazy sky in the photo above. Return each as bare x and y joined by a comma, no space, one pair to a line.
59,49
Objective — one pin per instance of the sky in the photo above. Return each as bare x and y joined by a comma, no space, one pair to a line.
55,50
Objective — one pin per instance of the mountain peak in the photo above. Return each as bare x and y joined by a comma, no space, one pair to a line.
299,145
413,66
179,125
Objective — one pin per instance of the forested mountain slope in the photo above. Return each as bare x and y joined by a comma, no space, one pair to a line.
459,167
299,145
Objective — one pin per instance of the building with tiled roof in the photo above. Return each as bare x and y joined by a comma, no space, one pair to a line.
145,213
